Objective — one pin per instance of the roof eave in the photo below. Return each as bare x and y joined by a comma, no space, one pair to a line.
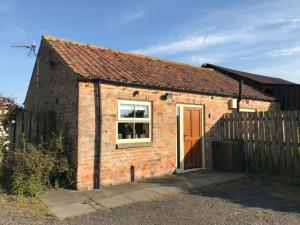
141,85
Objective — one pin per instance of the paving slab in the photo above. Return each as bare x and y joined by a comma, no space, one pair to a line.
215,178
114,201
97,193
67,203
167,191
143,195
128,187
70,210
63,197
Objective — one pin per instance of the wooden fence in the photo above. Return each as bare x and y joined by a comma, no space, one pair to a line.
34,126
271,139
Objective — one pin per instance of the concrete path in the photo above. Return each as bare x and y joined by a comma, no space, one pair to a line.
68,203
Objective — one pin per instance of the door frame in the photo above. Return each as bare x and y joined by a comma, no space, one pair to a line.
181,138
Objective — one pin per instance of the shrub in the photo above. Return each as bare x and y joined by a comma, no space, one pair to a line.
27,185
7,107
3,139
33,168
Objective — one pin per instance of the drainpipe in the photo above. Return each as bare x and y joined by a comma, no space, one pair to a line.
98,139
240,95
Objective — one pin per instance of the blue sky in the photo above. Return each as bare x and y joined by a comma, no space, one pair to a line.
256,36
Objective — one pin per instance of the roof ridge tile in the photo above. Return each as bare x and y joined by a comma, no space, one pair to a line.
53,38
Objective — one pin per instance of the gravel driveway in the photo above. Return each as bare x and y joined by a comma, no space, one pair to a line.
250,201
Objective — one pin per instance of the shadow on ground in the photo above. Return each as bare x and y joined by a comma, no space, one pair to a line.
278,194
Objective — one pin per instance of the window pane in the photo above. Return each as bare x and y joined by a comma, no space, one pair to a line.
125,130
127,110
133,130
141,130
141,111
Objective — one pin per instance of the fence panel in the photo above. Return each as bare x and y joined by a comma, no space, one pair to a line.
271,139
34,126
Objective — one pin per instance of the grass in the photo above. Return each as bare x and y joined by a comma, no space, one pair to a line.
29,204
34,205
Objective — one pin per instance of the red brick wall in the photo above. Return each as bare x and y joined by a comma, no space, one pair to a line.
156,160
86,135
55,88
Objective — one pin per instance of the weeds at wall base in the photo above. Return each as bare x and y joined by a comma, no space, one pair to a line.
31,169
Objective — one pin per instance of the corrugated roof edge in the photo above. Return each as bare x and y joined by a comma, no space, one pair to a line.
236,72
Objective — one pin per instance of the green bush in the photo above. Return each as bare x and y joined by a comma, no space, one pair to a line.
27,185
2,150
3,139
33,168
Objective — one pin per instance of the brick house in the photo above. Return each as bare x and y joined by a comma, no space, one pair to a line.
119,110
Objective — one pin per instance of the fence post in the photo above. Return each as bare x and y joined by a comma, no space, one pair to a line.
33,128
231,126
280,143
41,127
261,137
19,128
287,138
12,135
245,138
298,130
295,146
268,142
274,145
226,127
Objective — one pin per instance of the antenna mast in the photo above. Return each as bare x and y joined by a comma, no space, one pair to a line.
31,48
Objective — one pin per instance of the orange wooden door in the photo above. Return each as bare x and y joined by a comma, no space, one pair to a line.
192,138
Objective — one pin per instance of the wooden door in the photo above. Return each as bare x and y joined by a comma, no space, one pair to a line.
192,138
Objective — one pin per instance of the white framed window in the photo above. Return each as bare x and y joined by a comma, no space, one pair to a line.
134,121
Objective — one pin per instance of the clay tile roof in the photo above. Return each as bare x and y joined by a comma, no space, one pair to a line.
107,64
251,76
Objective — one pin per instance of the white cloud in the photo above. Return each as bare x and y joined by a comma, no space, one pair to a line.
131,16
193,43
217,57
285,52
199,60
287,71
262,23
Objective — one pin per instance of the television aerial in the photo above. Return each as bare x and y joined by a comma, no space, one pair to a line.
31,48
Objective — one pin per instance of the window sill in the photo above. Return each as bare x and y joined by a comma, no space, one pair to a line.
134,145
